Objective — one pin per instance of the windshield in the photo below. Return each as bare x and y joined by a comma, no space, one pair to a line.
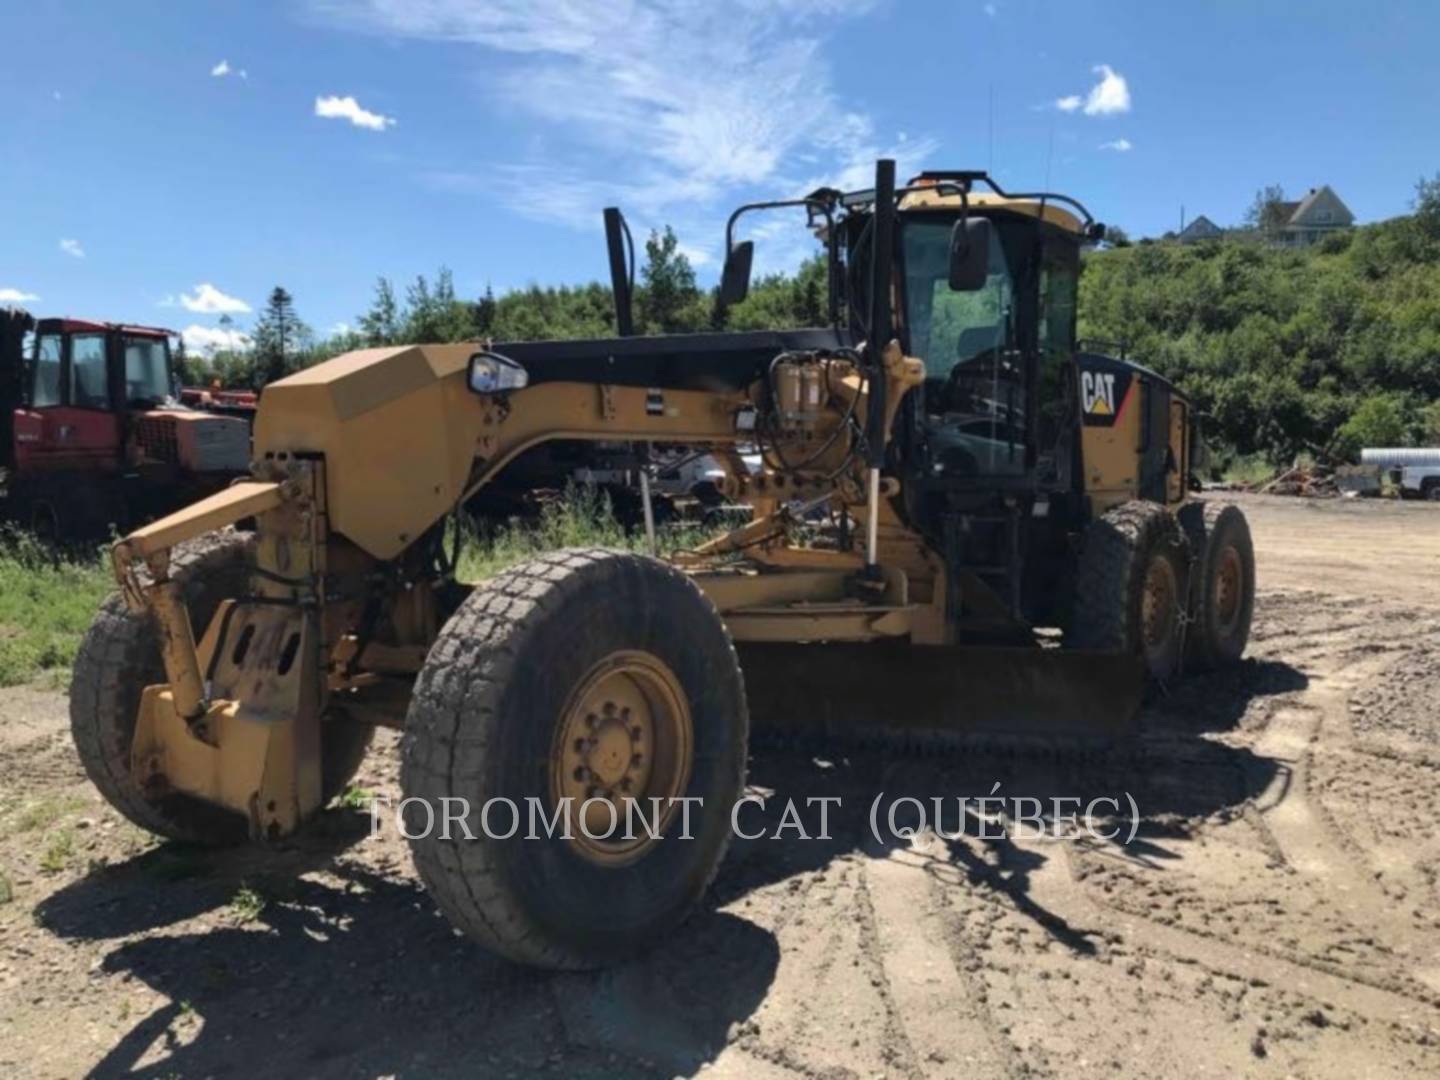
147,371
974,384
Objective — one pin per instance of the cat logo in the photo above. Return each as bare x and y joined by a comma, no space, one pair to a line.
1097,392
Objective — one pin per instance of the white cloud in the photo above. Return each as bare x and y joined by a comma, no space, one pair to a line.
672,110
16,296
207,339
1069,103
208,300
221,69
1110,95
989,10
72,247
1121,145
347,108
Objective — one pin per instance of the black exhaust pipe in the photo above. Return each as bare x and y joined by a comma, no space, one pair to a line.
618,243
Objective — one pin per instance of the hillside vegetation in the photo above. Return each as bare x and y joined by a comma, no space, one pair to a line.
1331,347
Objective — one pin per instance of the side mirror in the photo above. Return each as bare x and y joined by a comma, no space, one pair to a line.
969,254
735,278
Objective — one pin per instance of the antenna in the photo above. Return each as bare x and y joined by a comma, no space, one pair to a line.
990,156
1050,153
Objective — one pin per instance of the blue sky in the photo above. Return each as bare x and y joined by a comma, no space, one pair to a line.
167,162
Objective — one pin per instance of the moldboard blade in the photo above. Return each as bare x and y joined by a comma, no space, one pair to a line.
919,692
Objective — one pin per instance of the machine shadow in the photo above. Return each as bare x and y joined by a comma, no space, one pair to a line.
349,967
354,971
1175,775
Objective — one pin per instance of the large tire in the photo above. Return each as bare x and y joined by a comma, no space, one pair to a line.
492,717
1222,585
120,656
1131,586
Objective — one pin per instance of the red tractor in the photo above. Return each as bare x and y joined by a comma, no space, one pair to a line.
92,434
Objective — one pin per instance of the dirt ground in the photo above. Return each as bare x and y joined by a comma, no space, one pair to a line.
1278,912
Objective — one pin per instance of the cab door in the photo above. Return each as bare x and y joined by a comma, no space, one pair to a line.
71,422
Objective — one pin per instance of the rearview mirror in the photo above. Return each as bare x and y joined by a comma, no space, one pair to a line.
969,254
735,278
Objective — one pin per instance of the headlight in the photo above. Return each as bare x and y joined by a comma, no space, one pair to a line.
491,373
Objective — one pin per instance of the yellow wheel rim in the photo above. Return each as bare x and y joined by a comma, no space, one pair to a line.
1229,586
1157,608
625,739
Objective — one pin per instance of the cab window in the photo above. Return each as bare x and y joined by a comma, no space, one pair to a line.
1059,280
147,371
45,387
87,372
975,381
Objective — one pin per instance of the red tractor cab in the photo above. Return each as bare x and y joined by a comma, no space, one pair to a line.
96,434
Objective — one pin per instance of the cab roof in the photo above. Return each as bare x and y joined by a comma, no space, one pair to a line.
942,200
67,325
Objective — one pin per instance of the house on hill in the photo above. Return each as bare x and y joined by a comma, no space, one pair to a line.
1202,228
1312,218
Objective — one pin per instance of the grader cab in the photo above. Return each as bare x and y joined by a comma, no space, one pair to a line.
947,482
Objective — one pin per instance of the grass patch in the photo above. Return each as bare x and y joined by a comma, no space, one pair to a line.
246,905
582,517
59,850
1249,470
47,600
44,812
356,797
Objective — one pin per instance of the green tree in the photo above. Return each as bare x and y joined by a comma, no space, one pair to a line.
280,338
486,310
668,300
1430,424
434,314
381,324
1427,206
1267,209
1379,420
186,370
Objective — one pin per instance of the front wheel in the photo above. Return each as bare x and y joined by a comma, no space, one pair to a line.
120,656
581,722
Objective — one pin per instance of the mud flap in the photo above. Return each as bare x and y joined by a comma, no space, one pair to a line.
925,694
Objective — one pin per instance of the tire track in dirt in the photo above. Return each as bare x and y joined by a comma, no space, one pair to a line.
1376,998
927,963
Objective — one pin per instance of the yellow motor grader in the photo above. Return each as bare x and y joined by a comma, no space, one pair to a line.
962,524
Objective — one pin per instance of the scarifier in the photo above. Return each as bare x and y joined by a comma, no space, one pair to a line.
963,524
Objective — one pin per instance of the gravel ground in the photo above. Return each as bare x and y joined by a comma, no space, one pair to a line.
1277,913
